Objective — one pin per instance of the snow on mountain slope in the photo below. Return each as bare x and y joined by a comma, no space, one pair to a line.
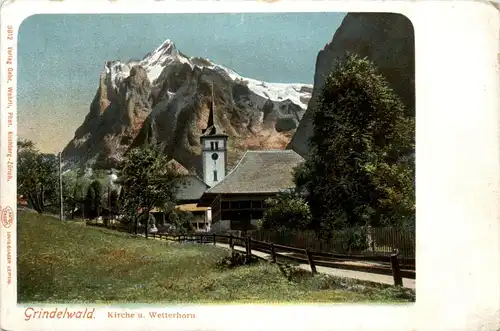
167,54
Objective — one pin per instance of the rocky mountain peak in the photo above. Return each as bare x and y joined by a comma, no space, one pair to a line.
387,39
165,98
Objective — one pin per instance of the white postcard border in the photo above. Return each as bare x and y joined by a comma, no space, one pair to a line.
458,176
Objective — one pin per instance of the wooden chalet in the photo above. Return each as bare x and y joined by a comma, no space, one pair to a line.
238,200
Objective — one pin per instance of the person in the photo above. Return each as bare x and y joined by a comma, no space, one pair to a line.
152,228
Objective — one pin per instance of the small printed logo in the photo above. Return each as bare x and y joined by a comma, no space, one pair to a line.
7,217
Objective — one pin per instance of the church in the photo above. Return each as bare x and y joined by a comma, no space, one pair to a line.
235,200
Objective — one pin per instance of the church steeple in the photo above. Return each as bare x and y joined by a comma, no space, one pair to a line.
213,148
212,127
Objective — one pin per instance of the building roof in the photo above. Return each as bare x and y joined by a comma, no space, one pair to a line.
194,186
192,207
193,189
213,128
177,166
268,171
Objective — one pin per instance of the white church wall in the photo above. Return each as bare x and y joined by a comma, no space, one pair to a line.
211,167
213,170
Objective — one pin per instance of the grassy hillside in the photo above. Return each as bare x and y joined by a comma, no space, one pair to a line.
70,262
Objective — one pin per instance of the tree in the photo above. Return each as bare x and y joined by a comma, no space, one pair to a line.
70,191
37,176
287,211
182,221
148,182
93,199
361,170
113,200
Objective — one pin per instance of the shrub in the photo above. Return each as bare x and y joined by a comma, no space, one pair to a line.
182,221
354,239
236,259
285,212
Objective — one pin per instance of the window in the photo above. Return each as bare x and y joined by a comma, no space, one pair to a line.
244,204
217,145
256,204
212,145
215,175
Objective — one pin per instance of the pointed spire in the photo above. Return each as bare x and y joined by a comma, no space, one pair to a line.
211,128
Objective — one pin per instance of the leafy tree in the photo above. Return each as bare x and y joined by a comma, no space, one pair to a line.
37,176
286,211
362,169
70,190
182,221
148,182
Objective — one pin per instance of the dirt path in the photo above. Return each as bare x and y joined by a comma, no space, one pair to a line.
376,278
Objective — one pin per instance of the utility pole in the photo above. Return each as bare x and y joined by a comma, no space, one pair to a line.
109,204
61,215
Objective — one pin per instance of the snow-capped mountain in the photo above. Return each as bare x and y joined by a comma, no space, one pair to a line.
166,96
167,55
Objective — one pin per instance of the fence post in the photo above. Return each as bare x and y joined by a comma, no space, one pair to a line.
154,235
273,254
231,244
249,247
311,261
396,272
372,240
214,238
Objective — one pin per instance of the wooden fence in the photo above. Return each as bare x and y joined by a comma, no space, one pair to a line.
382,264
374,241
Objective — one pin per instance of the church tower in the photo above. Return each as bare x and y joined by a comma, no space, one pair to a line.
213,149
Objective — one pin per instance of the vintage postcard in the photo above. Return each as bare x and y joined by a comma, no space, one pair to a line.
176,168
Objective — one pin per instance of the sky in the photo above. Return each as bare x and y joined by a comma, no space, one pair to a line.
60,56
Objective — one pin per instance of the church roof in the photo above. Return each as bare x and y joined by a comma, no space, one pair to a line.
177,166
193,188
213,128
268,171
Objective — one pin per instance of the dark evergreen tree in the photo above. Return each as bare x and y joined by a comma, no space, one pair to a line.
93,199
361,171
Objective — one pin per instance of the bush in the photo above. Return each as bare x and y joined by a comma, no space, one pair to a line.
355,239
286,212
235,259
182,221
294,273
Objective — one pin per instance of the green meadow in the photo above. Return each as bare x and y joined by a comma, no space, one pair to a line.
69,262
